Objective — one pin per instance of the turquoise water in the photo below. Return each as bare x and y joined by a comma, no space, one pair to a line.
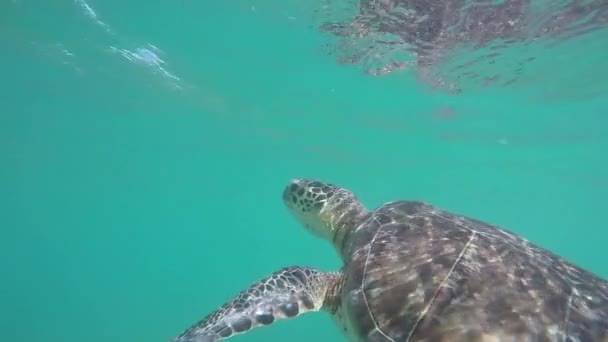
144,148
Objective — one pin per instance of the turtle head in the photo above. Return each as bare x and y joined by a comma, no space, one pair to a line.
326,210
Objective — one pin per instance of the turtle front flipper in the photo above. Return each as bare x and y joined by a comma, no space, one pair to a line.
286,293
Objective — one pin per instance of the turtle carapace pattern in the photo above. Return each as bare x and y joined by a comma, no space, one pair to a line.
414,272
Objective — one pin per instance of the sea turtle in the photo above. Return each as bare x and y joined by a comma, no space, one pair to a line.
414,272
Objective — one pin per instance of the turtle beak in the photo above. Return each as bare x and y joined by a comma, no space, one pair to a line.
286,195
293,191
289,190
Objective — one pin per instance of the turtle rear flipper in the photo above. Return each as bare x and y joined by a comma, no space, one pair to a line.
286,293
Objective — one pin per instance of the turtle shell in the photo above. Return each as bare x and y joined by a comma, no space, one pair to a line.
414,272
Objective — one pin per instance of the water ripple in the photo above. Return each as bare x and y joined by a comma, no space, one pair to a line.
146,54
383,36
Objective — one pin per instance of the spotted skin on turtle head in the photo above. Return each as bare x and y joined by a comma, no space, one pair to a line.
326,210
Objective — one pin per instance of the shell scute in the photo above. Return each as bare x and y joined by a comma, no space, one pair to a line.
417,273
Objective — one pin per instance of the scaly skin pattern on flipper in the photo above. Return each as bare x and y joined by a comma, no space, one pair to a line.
286,293
421,274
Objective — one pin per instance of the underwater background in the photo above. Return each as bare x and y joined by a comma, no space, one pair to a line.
144,147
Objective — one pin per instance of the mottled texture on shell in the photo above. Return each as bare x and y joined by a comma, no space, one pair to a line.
418,273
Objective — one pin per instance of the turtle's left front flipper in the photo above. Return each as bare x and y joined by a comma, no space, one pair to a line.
286,293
